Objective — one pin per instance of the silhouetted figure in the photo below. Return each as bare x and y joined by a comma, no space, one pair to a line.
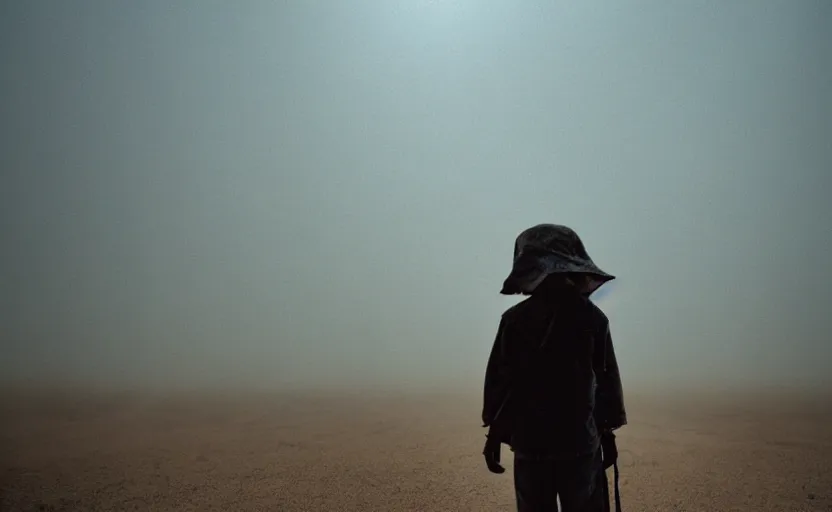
552,386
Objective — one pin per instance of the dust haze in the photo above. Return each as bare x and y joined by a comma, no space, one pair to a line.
289,195
301,213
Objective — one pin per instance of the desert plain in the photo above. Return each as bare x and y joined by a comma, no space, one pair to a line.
74,450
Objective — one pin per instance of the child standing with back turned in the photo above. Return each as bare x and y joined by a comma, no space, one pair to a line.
552,387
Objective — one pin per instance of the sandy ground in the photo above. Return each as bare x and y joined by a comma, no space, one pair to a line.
319,452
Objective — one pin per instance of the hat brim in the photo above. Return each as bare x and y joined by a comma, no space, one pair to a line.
526,275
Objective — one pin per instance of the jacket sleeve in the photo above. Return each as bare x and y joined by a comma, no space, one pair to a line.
609,396
496,377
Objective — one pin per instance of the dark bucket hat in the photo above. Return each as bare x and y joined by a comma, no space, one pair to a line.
547,249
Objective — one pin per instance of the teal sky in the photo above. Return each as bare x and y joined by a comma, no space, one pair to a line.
275,193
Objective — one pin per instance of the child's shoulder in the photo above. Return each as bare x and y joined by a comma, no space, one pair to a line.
596,313
518,309
534,306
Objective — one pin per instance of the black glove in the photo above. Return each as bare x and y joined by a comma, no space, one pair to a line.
492,454
609,451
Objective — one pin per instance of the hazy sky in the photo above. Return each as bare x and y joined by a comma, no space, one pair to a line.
327,193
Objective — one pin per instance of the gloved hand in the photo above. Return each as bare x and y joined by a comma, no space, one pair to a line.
492,453
609,451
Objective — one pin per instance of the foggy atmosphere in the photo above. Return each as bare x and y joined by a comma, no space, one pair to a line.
257,202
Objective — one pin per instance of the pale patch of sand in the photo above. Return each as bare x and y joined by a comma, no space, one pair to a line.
319,452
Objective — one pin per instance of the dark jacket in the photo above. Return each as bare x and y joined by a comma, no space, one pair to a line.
552,381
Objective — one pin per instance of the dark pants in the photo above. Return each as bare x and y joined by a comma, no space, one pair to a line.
581,484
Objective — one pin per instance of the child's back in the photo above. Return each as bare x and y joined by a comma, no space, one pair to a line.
552,386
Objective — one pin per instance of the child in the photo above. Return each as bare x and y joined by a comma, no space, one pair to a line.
552,386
